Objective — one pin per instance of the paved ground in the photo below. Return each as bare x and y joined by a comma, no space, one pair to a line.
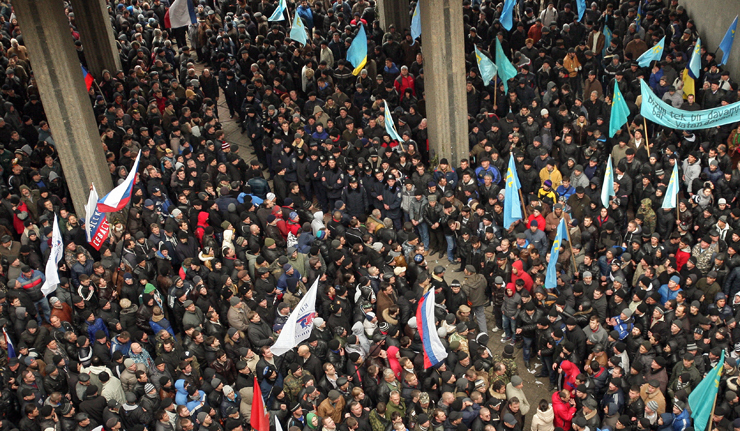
535,389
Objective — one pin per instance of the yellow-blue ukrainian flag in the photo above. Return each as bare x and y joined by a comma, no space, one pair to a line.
551,278
652,54
702,399
512,204
357,52
488,70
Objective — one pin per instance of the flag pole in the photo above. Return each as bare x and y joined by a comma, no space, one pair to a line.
711,415
495,90
521,200
570,243
647,142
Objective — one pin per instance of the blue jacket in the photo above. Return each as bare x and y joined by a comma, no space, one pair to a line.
162,324
667,294
480,173
682,421
97,325
182,399
623,327
288,282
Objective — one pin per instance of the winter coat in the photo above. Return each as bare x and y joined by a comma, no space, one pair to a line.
543,421
563,412
475,289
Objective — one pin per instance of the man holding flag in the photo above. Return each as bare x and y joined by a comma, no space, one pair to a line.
671,193
434,351
299,324
551,278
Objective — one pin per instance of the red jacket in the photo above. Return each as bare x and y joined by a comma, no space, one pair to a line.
521,275
402,83
681,258
563,412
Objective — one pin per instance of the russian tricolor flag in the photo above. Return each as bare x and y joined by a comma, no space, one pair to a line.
9,342
434,350
180,14
120,196
89,80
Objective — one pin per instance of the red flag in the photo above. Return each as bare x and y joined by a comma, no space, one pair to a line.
259,419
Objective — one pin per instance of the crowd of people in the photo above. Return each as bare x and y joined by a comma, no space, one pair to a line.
169,325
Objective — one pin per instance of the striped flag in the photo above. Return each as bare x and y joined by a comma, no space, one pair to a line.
89,80
434,350
9,342
180,14
119,197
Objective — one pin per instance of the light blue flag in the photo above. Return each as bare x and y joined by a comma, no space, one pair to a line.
581,9
695,62
507,15
638,18
607,189
488,70
506,70
298,30
671,193
357,52
703,397
551,278
619,113
652,54
279,11
416,22
726,44
512,204
607,39
390,126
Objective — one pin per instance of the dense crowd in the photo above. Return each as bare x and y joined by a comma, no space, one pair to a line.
166,326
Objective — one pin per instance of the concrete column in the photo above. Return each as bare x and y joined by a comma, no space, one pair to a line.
62,88
96,34
394,12
444,74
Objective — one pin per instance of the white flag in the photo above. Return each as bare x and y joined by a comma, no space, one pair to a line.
57,251
90,208
299,324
